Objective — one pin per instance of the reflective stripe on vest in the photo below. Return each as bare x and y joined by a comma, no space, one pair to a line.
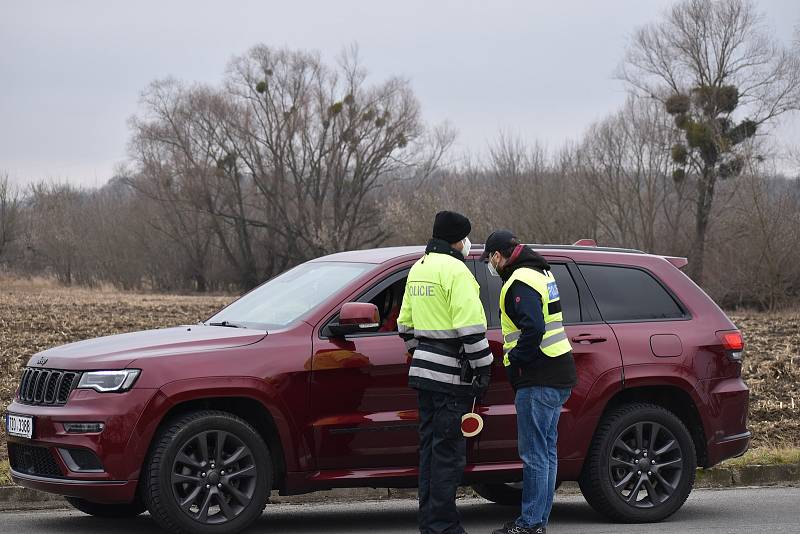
548,327
554,341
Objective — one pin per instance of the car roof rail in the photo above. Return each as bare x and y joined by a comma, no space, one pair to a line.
582,244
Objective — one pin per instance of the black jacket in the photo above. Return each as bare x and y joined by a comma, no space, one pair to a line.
523,304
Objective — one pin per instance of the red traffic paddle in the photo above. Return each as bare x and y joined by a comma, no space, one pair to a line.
471,423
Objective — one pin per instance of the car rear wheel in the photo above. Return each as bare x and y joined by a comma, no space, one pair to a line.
107,510
208,472
506,494
641,465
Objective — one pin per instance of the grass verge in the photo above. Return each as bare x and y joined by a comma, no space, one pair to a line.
5,475
766,456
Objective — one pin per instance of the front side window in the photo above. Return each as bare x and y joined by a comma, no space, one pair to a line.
388,301
289,296
387,296
629,294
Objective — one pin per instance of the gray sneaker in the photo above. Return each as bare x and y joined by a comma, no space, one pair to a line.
512,528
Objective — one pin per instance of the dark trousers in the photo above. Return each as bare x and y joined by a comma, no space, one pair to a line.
442,457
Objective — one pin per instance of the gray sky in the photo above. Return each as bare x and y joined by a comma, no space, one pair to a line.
71,71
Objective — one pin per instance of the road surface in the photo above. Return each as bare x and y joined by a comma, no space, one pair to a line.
773,510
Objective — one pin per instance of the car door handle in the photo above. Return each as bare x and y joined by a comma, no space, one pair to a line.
587,339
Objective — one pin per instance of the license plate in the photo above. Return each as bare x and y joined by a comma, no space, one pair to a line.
17,425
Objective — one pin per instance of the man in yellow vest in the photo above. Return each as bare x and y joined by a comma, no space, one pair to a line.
444,326
538,358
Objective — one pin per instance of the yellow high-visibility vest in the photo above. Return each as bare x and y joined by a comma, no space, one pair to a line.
554,341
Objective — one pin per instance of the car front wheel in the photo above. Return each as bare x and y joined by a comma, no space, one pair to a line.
209,472
641,465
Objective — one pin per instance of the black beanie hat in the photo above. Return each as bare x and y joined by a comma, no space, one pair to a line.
451,226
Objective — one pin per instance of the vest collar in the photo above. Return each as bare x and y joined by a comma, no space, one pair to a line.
523,256
440,246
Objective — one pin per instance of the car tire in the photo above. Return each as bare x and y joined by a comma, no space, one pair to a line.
641,465
97,509
505,494
186,486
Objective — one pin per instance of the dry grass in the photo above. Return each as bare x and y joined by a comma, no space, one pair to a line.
766,456
5,476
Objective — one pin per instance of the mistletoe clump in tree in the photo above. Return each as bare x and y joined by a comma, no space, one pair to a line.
722,76
711,136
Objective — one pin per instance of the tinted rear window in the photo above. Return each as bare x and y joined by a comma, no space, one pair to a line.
627,294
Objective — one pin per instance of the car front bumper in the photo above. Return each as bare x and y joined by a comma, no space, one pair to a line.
46,462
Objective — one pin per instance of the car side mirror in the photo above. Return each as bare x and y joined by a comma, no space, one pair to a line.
356,317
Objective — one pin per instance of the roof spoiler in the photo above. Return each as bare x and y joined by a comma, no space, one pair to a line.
585,243
677,261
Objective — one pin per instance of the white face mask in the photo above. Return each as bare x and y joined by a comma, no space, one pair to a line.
467,245
491,268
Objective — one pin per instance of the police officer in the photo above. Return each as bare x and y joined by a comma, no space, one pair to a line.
538,358
443,324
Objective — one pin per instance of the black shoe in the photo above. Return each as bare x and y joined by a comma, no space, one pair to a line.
512,528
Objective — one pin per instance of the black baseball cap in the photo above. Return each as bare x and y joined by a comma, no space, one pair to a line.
498,240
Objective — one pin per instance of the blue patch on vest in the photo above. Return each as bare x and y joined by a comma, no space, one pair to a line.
552,291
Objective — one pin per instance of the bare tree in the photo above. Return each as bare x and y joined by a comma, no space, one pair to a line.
763,219
712,62
187,165
510,156
57,228
320,142
172,157
624,169
286,159
794,162
528,191
9,213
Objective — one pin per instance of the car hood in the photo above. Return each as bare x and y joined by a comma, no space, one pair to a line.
118,351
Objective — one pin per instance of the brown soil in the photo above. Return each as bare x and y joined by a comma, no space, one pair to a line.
772,370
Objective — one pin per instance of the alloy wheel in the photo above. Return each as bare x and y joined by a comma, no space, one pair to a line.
646,464
213,477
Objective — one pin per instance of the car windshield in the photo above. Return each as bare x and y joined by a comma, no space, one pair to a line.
289,296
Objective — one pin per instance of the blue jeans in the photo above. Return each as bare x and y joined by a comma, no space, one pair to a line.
538,409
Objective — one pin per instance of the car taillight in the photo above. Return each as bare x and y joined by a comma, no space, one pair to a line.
733,343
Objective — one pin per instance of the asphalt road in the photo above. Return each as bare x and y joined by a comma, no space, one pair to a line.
773,510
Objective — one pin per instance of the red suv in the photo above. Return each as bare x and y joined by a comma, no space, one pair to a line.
301,385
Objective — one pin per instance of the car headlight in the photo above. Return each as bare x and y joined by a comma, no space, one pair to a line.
106,381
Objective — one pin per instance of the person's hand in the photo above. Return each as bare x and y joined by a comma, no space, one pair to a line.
513,360
480,383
